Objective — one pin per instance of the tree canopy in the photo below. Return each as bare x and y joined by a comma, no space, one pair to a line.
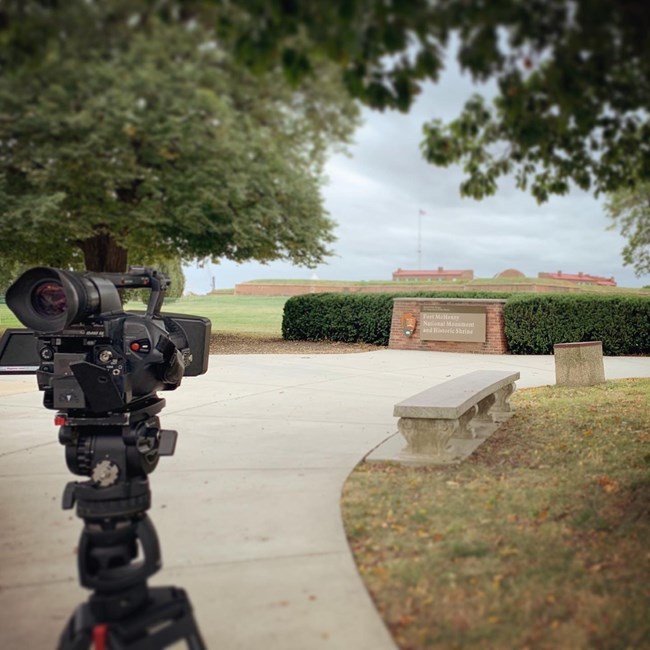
629,210
126,128
573,78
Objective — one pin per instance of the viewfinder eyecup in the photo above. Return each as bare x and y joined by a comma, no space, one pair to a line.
48,300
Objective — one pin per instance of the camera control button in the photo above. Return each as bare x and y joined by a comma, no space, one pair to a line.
141,345
47,354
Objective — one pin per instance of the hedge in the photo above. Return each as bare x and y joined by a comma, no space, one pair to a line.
533,323
357,317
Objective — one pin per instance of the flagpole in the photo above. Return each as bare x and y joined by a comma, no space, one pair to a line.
419,240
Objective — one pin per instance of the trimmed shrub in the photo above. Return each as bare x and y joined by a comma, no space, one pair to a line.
353,318
533,324
338,317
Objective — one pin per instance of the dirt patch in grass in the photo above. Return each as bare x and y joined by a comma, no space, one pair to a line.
229,343
539,540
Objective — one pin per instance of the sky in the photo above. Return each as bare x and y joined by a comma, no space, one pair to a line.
377,192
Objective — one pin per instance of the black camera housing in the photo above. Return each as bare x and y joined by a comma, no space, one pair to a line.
89,355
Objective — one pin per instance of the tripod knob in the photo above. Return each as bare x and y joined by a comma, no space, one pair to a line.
105,473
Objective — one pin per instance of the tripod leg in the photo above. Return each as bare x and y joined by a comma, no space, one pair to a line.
78,633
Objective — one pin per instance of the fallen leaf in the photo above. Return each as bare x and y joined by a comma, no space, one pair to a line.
405,619
608,484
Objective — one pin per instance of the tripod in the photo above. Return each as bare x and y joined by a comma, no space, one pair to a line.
118,549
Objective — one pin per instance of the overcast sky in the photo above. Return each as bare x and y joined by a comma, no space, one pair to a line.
376,194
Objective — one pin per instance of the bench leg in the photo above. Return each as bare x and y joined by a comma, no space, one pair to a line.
427,437
464,421
483,422
502,409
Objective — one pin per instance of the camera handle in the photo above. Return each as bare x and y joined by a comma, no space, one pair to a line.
118,548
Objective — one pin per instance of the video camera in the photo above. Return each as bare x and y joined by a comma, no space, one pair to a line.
88,354
101,368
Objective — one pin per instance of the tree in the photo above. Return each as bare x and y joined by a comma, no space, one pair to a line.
126,131
9,271
573,78
629,210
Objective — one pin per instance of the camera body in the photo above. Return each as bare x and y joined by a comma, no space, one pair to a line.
89,355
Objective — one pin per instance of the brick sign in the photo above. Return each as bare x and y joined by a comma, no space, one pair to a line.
453,323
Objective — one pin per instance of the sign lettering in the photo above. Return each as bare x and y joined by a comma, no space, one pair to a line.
453,323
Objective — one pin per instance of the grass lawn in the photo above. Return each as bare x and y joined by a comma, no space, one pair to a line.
228,313
260,315
538,541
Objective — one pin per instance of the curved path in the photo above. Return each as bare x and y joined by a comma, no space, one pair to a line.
248,509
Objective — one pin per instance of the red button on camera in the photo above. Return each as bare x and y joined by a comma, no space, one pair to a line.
135,346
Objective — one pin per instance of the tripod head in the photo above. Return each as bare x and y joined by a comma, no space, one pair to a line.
117,446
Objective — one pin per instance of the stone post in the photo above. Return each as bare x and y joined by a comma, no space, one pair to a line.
579,364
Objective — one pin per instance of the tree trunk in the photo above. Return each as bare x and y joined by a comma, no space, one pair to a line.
103,254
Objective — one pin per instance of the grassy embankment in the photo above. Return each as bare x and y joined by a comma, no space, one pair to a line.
253,315
478,284
537,541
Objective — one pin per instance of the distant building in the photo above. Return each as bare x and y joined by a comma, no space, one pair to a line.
510,273
579,278
441,275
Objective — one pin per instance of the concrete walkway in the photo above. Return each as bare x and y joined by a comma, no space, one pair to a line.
247,511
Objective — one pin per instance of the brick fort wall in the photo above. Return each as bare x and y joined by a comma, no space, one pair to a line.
495,342
278,289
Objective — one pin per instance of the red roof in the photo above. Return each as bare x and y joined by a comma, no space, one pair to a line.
580,277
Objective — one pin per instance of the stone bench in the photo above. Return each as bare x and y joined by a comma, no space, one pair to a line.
467,408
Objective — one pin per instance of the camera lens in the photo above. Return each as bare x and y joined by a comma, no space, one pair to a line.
48,299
